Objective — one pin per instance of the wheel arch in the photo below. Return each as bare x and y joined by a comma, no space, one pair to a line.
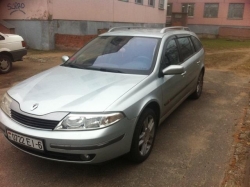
133,153
153,105
7,53
203,70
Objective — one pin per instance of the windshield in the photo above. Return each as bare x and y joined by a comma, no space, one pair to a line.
120,54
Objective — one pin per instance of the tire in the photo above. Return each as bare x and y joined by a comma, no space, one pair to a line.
197,93
144,136
5,63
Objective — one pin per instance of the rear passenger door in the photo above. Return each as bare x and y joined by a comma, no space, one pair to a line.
189,60
199,52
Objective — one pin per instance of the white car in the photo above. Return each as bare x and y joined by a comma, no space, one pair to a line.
12,48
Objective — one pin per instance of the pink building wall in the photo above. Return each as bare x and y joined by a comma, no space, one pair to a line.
24,9
222,19
42,23
91,10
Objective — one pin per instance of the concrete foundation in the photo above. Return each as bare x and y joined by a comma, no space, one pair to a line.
242,33
41,34
205,29
214,31
75,42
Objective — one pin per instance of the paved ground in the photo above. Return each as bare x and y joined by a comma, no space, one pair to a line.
193,146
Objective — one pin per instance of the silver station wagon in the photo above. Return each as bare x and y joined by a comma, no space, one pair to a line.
108,99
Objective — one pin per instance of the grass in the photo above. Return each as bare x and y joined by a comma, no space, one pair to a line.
213,45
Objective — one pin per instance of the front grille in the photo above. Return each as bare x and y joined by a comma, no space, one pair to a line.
33,122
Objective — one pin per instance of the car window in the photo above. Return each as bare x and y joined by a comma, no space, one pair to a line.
170,54
186,47
197,43
1,37
121,54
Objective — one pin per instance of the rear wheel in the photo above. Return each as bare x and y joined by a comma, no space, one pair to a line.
144,136
5,63
197,93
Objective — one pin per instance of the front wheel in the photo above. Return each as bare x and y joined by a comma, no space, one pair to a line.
144,136
197,93
5,63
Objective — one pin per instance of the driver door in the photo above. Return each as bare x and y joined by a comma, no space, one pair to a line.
173,86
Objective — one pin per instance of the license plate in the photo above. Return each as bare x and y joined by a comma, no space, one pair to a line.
26,141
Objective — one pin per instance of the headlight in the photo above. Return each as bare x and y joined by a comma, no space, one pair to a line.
5,104
88,121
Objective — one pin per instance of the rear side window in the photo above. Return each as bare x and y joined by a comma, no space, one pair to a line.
186,47
197,43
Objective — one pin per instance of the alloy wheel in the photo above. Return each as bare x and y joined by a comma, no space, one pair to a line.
147,135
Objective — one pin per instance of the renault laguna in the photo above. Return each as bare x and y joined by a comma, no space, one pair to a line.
106,100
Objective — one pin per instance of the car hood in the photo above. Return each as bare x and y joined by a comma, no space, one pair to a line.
72,90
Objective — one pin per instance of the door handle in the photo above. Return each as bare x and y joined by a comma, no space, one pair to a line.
184,73
198,62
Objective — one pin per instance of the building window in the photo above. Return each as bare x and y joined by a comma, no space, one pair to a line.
124,0
169,9
188,8
161,4
235,10
151,3
139,2
211,10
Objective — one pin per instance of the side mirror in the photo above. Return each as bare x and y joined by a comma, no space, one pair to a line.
65,58
173,70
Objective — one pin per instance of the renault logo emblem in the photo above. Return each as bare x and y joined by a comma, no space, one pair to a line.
34,107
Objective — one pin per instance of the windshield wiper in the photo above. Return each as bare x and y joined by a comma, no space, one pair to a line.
94,68
72,65
110,70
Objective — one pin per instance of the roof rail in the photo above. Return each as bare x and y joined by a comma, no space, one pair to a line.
175,27
124,27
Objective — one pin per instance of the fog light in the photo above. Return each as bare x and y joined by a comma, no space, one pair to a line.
85,157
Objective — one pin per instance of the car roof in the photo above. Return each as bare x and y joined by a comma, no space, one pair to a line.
147,32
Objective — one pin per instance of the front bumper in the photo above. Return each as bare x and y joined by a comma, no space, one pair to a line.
69,146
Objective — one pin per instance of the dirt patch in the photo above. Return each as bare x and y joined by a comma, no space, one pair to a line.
223,60
236,176
236,61
243,67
